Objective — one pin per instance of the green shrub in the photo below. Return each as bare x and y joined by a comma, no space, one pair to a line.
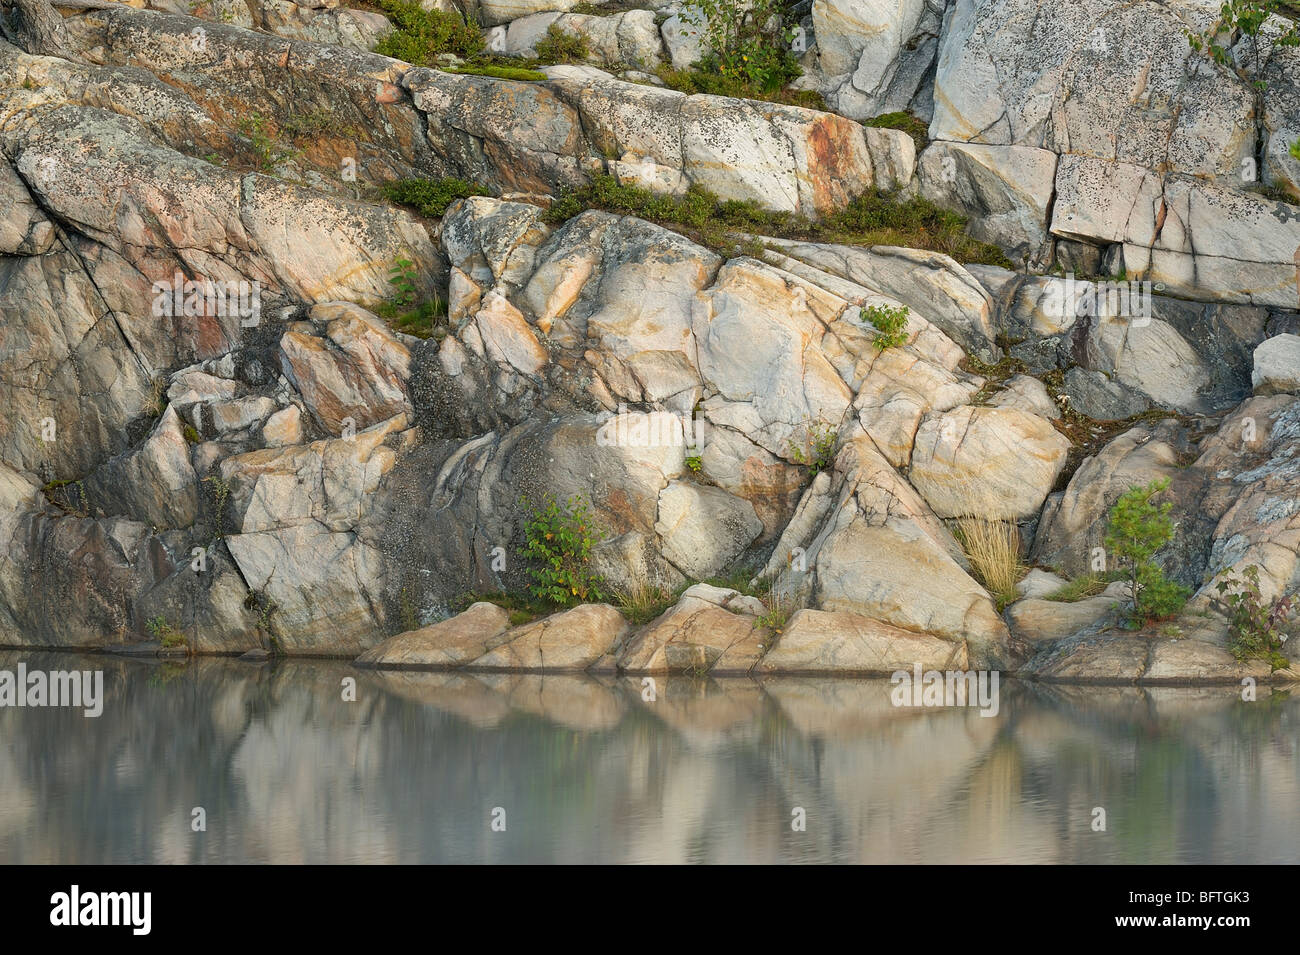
1258,626
818,452
890,324
695,462
748,45
430,197
692,81
419,36
560,46
164,633
1244,18
1137,529
558,550
404,312
401,276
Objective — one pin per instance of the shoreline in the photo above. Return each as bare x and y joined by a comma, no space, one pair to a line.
1272,681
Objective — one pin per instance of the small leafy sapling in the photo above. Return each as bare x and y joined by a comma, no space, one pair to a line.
890,324
559,538
401,276
1257,625
818,452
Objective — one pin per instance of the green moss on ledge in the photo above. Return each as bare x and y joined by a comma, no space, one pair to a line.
498,72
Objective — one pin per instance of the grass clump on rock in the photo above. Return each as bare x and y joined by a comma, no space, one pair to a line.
560,46
993,549
498,72
918,129
873,218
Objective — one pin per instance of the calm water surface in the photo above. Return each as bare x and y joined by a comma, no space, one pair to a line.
587,771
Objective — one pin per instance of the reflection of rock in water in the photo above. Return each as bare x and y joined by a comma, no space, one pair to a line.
588,769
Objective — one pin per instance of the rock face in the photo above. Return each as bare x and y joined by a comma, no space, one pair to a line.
1277,365
873,56
211,431
1096,122
535,137
627,39
998,463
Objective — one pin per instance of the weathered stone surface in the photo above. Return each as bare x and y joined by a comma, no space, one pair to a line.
628,39
453,642
998,463
539,137
155,483
696,635
569,640
872,56
816,641
24,229
1063,77
704,529
283,428
1277,365
868,544
1039,621
354,369
1006,190
930,284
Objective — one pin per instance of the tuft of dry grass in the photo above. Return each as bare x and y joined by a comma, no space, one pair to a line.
642,602
993,549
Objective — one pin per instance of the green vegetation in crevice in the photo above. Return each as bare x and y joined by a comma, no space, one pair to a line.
69,495
268,147
1257,625
430,197
750,50
918,129
694,81
873,218
498,72
890,324
167,636
560,46
1081,588
817,453
559,537
448,42
317,122
404,311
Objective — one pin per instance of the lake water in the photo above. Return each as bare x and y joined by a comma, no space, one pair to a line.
587,770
